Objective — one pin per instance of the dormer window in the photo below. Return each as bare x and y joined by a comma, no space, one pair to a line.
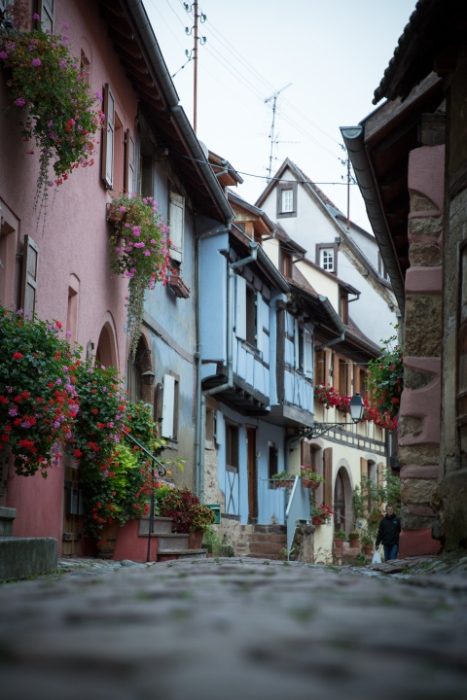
287,201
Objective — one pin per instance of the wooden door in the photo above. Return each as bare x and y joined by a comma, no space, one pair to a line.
339,503
252,476
72,509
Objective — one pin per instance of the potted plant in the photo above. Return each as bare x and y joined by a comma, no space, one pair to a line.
321,514
202,518
185,509
368,544
282,480
339,539
310,478
354,538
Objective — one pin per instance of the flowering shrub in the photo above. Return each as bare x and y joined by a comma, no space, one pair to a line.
38,400
184,507
320,514
46,85
386,378
140,250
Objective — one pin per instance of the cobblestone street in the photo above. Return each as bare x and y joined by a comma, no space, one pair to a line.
229,629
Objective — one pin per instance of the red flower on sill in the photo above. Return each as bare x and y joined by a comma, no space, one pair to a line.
3,399
17,355
77,453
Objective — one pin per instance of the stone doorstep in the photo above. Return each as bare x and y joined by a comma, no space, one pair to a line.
21,557
267,537
171,554
162,526
272,529
272,547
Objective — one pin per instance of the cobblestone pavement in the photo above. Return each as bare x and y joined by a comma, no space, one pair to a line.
233,630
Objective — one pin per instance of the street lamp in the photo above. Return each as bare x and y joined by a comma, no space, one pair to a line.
148,377
357,409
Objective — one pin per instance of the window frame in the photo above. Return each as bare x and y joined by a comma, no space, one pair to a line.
232,446
280,189
326,246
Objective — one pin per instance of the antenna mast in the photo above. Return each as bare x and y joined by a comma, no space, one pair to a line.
273,124
196,38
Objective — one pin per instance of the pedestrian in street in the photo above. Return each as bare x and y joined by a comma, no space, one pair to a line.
388,533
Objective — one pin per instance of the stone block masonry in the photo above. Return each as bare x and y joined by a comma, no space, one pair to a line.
419,435
22,557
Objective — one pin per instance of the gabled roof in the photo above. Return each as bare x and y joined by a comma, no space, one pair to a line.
281,234
263,262
135,43
225,173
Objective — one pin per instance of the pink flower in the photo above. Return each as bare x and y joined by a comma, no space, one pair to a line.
136,230
3,54
147,253
118,250
10,45
98,95
36,17
64,25
51,123
139,245
122,208
62,63
20,102
36,62
65,37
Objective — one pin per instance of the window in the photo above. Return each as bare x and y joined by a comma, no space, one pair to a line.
343,378
177,225
72,310
250,316
344,307
381,268
108,137
129,163
320,365
287,200
231,447
10,260
286,264
45,10
272,459
326,256
326,259
85,67
170,403
29,285
210,430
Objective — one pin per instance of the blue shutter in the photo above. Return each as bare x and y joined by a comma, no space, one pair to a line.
240,307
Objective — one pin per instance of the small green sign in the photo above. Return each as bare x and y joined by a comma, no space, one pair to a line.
217,512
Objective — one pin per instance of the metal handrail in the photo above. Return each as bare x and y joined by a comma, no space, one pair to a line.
162,471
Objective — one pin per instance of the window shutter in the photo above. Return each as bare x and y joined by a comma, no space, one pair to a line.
297,344
108,137
168,407
380,473
176,221
308,354
240,312
45,10
327,467
129,163
29,282
259,321
363,467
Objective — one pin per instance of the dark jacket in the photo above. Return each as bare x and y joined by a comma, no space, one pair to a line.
389,530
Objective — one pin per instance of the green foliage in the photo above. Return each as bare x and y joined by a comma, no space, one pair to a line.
47,86
184,507
340,535
386,377
369,498
140,250
38,400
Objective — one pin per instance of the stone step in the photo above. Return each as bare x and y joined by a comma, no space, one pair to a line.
21,557
161,526
266,547
266,555
267,537
273,529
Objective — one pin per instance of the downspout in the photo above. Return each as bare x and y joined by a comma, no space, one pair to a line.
199,427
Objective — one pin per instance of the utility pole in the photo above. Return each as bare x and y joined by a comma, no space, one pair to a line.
197,17
271,134
348,193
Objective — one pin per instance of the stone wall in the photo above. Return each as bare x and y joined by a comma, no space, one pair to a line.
419,436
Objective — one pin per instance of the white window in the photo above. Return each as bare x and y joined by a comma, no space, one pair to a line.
177,224
287,201
326,260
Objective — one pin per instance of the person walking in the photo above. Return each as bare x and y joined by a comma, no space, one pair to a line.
388,533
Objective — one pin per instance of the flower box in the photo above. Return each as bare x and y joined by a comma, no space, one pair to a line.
178,286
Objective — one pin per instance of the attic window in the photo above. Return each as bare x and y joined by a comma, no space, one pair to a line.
326,259
287,200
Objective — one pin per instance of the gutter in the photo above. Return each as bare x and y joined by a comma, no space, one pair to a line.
355,144
159,67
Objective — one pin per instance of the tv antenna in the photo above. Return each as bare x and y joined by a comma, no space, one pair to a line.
273,124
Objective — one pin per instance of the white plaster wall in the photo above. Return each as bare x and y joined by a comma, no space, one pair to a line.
368,247
272,250
321,283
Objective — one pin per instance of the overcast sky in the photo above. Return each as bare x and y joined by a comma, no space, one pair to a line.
333,52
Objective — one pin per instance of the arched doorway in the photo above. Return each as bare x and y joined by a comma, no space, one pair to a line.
342,507
106,353
137,365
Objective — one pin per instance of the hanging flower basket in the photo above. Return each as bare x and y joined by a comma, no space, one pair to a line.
140,250
309,483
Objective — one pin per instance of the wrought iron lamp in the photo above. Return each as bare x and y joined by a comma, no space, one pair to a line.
148,377
357,409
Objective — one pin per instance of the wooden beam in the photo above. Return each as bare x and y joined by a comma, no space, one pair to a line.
129,45
135,58
113,6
